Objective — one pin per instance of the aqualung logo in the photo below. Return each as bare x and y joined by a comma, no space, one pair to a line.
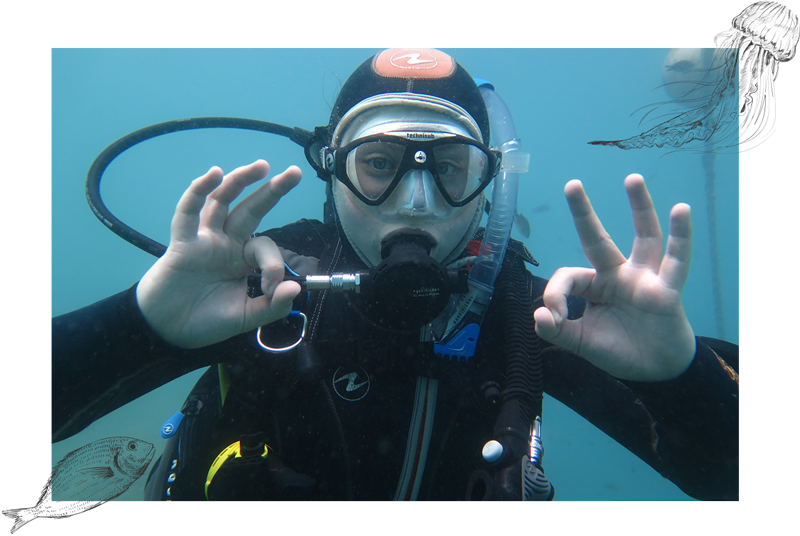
414,60
351,385
414,63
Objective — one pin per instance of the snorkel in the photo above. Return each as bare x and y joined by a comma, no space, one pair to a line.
504,193
465,312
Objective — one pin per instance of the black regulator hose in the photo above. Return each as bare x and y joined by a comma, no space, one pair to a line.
523,390
295,134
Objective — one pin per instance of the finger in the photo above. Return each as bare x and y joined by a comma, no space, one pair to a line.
597,245
675,266
246,216
648,241
565,282
266,309
261,252
551,320
566,334
281,302
546,326
186,220
276,302
233,184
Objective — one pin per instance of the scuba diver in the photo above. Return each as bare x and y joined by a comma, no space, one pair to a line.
397,350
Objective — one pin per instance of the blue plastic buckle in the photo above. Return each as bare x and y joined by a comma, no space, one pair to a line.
461,346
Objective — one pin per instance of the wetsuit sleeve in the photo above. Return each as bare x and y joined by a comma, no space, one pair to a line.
686,428
105,355
696,422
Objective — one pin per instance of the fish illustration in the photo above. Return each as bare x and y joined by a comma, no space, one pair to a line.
88,477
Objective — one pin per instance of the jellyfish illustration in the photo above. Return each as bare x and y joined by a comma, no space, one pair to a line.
730,101
763,35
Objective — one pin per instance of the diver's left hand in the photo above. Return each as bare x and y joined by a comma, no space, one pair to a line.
634,326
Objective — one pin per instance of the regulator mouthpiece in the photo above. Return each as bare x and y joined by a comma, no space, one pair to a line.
409,288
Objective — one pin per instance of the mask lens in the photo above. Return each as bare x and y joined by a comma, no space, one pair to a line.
461,169
372,166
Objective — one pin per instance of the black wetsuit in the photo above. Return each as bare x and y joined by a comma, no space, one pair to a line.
369,414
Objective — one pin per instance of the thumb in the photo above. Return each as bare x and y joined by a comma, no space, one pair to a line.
267,309
546,326
285,293
556,330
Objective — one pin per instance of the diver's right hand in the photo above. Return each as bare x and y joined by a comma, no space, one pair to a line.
196,293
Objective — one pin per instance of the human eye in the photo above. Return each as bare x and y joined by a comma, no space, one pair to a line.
380,167
448,167
377,161
451,160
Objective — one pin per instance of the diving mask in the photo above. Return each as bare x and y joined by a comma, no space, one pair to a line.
373,166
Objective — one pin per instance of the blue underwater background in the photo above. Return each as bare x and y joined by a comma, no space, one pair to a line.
560,100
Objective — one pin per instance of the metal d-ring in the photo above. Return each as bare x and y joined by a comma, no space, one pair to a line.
286,349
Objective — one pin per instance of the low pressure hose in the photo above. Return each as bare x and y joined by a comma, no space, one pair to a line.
104,159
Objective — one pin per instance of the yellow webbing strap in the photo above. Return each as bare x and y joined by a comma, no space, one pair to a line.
234,450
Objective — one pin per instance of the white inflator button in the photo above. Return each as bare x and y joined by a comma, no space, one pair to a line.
492,451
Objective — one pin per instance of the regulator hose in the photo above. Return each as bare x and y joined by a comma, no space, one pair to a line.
295,134
523,390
